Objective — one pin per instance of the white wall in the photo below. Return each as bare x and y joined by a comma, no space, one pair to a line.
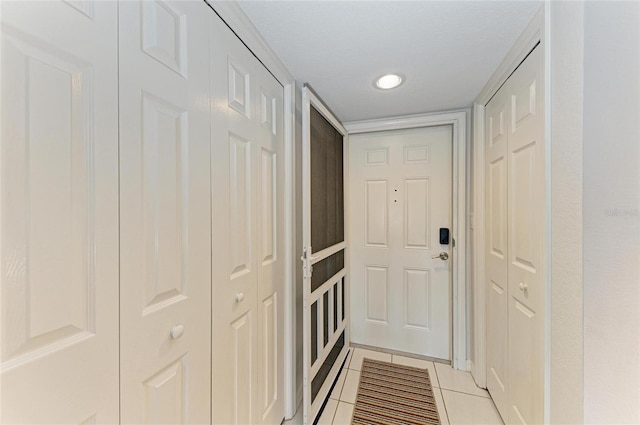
611,216
565,54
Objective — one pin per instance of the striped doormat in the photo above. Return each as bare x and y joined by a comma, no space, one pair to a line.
394,394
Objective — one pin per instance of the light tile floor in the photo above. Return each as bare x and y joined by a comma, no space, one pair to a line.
458,398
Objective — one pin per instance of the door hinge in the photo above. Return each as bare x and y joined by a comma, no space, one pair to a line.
307,268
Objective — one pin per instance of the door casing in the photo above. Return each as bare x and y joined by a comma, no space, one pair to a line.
458,121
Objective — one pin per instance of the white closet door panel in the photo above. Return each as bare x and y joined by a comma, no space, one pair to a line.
525,216
271,246
233,154
165,201
59,209
247,141
497,128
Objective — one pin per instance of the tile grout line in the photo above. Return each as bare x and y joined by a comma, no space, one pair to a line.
333,417
444,403
462,392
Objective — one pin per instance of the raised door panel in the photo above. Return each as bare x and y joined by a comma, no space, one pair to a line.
243,350
376,213
524,345
417,298
164,213
240,206
376,294
59,213
51,239
165,166
417,208
166,394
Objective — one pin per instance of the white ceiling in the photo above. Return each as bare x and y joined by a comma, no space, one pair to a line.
447,50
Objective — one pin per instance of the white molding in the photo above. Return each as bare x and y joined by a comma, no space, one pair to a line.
534,33
458,120
547,251
291,400
235,18
404,122
478,370
319,105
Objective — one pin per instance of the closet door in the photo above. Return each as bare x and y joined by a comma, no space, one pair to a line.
497,127
165,203
247,227
515,212
270,264
59,213
526,214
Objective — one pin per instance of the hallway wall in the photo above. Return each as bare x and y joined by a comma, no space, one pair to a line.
611,212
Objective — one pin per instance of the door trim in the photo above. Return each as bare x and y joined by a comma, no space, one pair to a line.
458,120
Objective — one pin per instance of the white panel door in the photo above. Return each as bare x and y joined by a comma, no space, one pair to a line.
497,126
270,248
247,157
165,204
514,166
400,185
525,246
59,209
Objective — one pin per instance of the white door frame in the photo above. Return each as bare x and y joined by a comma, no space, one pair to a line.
536,32
235,18
458,120
311,410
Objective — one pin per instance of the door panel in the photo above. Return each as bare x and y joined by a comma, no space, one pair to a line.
525,212
400,183
59,209
269,186
515,199
416,213
247,141
497,128
242,382
235,278
376,293
376,213
165,250
417,298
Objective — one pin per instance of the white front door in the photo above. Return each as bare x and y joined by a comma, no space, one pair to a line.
59,209
247,181
165,261
400,186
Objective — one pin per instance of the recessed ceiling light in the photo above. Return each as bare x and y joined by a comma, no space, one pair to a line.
388,81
